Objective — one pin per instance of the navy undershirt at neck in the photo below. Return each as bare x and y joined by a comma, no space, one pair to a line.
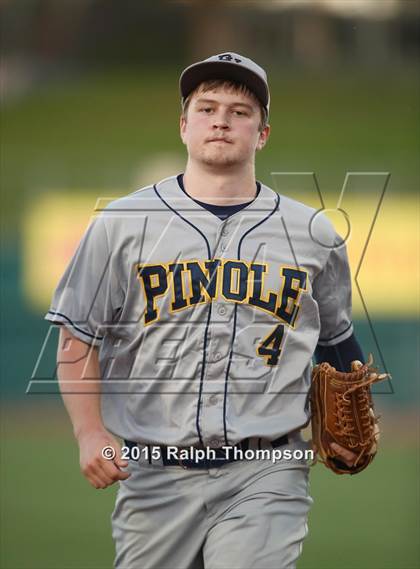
222,211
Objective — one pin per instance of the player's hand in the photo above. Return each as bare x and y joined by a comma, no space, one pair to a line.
101,472
344,454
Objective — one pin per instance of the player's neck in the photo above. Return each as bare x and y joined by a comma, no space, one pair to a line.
223,188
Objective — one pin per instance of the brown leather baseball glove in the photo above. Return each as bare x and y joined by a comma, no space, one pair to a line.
342,412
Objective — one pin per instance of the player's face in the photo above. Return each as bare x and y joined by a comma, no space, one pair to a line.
221,128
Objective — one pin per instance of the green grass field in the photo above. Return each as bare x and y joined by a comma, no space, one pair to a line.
52,519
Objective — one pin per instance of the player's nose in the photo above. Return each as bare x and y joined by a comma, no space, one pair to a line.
221,125
221,120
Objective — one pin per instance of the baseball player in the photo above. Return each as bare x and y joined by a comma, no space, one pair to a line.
190,314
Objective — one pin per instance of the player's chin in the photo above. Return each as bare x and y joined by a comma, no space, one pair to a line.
221,158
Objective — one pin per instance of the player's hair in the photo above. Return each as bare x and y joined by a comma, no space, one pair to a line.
232,86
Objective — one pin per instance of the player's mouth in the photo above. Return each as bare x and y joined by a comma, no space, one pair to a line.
225,140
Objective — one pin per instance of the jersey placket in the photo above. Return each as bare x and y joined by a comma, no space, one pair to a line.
213,404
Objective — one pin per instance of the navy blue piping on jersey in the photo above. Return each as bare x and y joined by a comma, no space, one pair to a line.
73,325
235,315
200,392
337,335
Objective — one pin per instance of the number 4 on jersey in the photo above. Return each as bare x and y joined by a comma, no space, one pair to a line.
270,347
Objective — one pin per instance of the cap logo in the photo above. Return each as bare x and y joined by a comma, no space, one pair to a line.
228,57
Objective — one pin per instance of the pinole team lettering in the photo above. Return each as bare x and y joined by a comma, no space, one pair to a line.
196,282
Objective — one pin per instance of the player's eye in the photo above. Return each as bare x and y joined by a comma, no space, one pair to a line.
206,110
239,113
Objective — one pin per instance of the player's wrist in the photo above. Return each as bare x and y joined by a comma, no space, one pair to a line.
88,430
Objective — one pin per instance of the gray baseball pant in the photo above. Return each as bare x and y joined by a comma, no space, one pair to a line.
249,514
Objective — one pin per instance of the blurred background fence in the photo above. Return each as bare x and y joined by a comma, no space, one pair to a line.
90,109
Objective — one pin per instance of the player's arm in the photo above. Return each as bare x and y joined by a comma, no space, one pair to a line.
80,386
332,290
340,355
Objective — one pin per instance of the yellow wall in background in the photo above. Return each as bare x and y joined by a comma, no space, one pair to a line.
52,228
388,277
389,274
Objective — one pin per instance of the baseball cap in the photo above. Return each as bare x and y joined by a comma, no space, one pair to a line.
230,66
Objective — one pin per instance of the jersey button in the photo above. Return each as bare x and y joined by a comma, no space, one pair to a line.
215,443
225,230
221,310
213,399
223,246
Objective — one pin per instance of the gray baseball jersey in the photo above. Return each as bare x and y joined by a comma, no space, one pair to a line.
205,328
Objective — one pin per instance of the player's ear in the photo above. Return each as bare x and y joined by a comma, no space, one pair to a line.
182,127
264,134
